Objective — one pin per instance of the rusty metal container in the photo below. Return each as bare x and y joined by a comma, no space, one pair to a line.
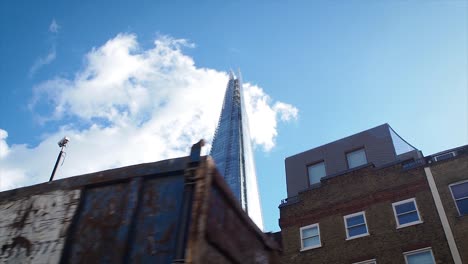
172,211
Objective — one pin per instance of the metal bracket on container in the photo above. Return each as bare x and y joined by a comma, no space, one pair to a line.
190,179
194,162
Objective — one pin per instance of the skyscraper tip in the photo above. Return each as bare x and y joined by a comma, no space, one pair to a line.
231,75
239,75
232,150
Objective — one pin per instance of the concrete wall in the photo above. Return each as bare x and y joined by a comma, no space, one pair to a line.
446,173
373,191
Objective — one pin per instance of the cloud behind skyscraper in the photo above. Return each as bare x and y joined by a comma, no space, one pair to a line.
128,105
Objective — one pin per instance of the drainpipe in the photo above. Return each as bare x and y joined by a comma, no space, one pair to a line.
443,217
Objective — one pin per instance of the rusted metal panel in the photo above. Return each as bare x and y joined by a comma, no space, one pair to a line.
228,232
33,229
157,220
220,224
101,231
174,211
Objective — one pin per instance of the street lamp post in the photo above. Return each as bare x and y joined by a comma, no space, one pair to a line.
62,144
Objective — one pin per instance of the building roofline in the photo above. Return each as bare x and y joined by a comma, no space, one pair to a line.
426,161
163,167
318,185
344,138
457,153
370,164
449,150
404,140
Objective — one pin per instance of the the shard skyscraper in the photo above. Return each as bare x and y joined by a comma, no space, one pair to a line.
232,150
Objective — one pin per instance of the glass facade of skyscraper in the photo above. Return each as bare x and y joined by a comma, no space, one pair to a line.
232,151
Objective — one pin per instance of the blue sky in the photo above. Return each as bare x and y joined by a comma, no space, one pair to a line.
346,66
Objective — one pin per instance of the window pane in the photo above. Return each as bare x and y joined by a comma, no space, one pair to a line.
357,230
309,232
463,206
355,220
460,190
356,158
408,218
316,172
444,156
420,258
406,207
310,242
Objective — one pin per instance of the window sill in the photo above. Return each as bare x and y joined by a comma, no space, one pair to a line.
309,248
358,236
409,224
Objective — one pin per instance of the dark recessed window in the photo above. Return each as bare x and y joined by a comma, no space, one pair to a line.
444,156
460,195
356,158
316,171
408,163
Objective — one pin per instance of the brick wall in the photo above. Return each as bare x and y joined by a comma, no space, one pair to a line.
373,191
446,173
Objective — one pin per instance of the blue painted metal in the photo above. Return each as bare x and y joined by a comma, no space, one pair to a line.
100,233
173,211
157,219
132,221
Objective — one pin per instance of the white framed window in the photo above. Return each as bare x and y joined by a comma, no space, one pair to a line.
459,192
310,237
420,256
445,156
370,261
315,172
356,225
356,158
406,213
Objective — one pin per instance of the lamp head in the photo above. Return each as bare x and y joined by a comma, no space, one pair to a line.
63,142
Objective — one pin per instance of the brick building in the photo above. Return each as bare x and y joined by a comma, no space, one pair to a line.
447,173
382,207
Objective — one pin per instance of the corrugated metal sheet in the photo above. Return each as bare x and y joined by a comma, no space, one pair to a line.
173,211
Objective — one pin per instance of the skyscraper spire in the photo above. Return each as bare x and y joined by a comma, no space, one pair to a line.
231,75
232,150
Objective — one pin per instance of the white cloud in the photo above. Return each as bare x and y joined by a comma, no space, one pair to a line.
139,105
286,111
42,61
263,117
11,174
49,57
54,27
3,144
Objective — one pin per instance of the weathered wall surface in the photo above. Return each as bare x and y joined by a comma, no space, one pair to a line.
33,229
